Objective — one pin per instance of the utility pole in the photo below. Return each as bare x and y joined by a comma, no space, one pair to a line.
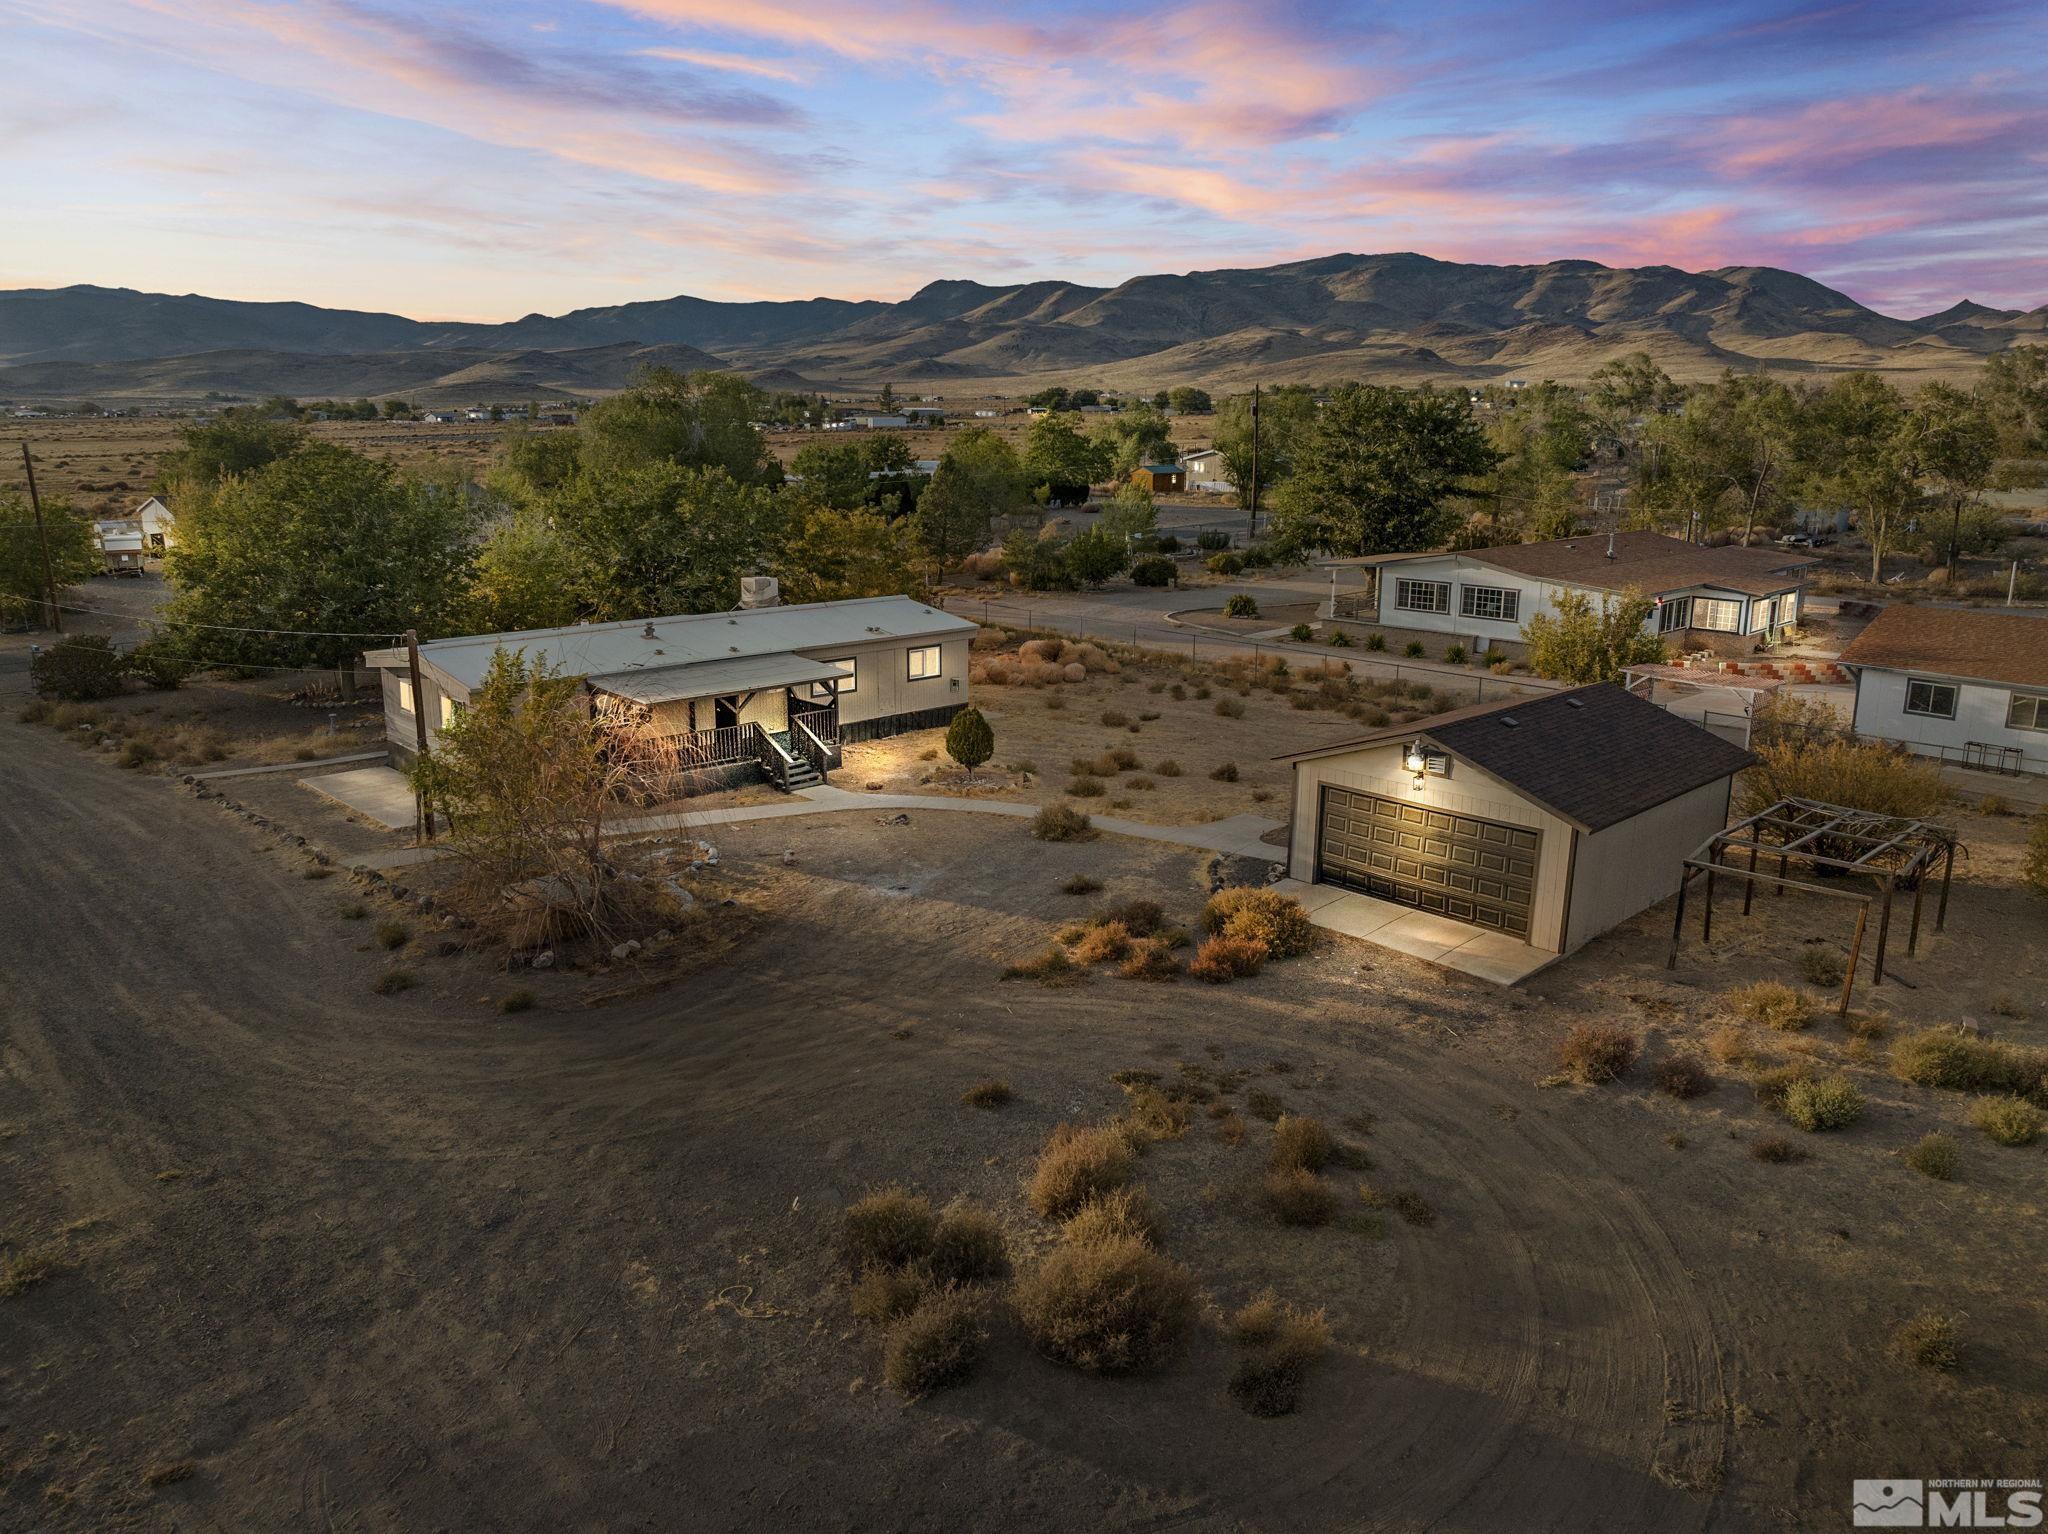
1255,461
28,465
423,814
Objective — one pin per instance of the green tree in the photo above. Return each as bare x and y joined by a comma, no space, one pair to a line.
888,396
2014,390
1854,452
1188,401
531,462
74,554
703,421
1095,555
833,473
1286,416
237,441
1630,388
1578,644
969,740
1952,444
662,538
1132,514
1037,563
1728,455
1374,471
325,546
839,555
1133,437
524,577
1058,456
978,479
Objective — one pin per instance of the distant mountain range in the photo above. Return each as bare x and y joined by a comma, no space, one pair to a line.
1395,317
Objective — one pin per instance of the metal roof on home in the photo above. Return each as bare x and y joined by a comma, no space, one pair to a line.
1650,561
1960,642
670,684
1595,755
645,644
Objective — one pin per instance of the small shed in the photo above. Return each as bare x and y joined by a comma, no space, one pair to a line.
1160,478
1546,819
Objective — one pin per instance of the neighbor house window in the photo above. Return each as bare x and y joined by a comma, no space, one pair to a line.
1423,596
821,692
404,695
1494,602
924,662
1675,613
1932,700
1722,617
2026,712
450,710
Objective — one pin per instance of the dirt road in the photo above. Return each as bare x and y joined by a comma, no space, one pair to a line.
407,1263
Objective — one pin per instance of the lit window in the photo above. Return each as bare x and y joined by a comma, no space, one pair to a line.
1495,603
1722,617
1931,700
404,695
1422,596
924,662
449,710
2026,712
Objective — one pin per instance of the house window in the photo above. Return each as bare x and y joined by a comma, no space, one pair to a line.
1423,596
821,692
1675,613
924,662
1495,603
404,695
1931,700
450,709
1721,617
2026,712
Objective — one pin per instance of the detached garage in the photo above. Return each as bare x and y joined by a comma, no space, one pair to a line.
1545,820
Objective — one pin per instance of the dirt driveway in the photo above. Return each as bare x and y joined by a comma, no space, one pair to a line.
334,1260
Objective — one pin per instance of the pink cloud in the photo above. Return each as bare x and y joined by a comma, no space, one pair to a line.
1837,132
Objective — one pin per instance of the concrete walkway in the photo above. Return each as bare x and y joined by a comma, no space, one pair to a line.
1490,956
381,794
1239,836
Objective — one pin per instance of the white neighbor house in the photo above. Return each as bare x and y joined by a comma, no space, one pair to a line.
1706,597
1962,684
159,527
1206,470
764,690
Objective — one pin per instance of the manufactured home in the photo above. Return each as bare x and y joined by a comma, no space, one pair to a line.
765,692
121,545
1962,684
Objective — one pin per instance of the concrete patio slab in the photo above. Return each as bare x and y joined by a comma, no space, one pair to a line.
376,793
1489,956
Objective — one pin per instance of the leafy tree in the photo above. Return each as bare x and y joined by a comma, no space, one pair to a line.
1728,455
978,480
1162,400
969,740
1095,555
1630,387
1133,437
524,577
1854,451
1054,398
839,555
888,396
2014,390
1953,445
1286,415
663,538
1373,472
1187,401
1133,514
323,539
73,553
81,669
533,462
845,474
703,421
1037,563
1581,645
1058,457
1538,444
237,441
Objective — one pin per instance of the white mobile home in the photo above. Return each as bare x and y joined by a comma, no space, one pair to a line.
1962,684
121,545
1726,597
763,691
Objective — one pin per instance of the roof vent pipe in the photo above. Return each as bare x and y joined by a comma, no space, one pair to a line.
1610,545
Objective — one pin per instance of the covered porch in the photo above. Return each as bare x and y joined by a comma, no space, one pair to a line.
689,724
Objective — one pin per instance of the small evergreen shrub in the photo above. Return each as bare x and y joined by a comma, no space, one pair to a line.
1241,605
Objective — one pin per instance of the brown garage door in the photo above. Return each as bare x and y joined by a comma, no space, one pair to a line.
1460,866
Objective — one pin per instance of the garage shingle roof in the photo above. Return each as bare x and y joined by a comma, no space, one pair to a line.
1595,755
1957,642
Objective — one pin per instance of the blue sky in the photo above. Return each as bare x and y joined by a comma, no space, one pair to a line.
486,161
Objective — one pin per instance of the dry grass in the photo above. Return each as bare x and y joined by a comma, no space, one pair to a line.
391,934
1297,1196
1280,1344
1732,1046
1934,1156
1054,967
1080,884
1153,1115
1223,959
1127,1213
1831,1102
1151,959
884,1294
937,1344
1821,965
1962,1062
1260,915
516,1001
393,981
1301,1143
1933,1339
2006,1120
889,1228
1775,1150
1595,1053
1110,1306
987,1093
1683,1077
31,1265
1102,943
1060,823
1773,1005
967,1248
1078,1163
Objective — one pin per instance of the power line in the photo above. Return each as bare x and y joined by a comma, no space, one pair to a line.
225,628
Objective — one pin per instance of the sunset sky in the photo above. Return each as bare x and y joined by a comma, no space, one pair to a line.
487,160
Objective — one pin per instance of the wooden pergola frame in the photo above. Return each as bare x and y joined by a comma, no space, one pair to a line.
1887,849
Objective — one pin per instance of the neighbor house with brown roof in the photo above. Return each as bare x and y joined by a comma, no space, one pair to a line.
1705,597
1959,683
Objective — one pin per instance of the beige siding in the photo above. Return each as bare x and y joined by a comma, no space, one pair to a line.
399,729
1630,867
1467,790
884,686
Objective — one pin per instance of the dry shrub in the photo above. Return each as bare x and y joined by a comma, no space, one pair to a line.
1271,918
1821,965
937,1344
1230,1128
1222,959
1078,1163
1099,944
1280,1344
1771,1086
1152,1115
2006,1120
1126,1214
1151,959
1683,1077
391,934
1301,1142
1229,708
1413,1208
1829,1103
1775,1150
889,1228
1051,968
987,1093
1595,1053
1110,1306
1226,773
1931,1340
1166,769
1080,884
1296,1196
1963,1062
1731,1046
393,981
1774,1005
967,1248
516,1001
883,1294
1933,1156
1261,1104
1141,918
1062,823
1865,775
29,1266
1086,788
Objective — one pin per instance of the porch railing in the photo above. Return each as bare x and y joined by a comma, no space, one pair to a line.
822,722
771,756
821,754
715,748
